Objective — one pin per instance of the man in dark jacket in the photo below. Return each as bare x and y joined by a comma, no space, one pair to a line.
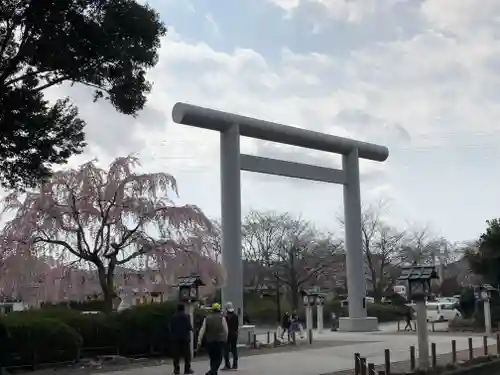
231,347
285,325
180,330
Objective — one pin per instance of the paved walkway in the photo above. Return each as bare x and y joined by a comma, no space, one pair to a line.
337,357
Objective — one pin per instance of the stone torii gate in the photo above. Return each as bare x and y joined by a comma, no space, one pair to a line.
231,127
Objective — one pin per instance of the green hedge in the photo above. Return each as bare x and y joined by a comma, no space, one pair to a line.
386,313
40,340
61,334
478,316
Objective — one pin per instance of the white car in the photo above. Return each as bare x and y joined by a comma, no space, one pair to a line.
448,301
441,312
437,312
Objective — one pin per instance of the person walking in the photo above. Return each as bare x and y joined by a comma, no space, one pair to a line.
215,331
180,329
408,319
295,326
285,325
231,347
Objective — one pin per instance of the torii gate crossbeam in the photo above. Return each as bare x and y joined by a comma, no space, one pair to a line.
231,127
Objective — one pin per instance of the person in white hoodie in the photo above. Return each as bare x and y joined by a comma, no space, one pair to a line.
231,347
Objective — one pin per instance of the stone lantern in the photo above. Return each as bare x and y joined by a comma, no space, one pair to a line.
485,296
189,288
189,295
419,279
309,299
320,302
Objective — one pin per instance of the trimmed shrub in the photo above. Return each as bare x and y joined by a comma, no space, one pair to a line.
462,325
140,331
144,330
478,316
385,313
40,340
396,299
93,305
263,311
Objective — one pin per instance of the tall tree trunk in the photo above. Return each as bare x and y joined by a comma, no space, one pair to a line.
107,287
294,290
376,287
278,299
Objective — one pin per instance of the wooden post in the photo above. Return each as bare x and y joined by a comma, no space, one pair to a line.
471,350
357,364
362,363
268,337
254,343
249,338
399,328
310,336
35,360
453,351
275,343
412,359
371,369
433,355
77,359
387,360
485,345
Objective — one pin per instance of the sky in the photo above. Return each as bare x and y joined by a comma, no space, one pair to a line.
421,77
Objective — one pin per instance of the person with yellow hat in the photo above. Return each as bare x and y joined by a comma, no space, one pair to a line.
214,330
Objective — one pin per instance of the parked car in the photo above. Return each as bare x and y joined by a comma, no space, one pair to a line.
345,302
441,312
437,312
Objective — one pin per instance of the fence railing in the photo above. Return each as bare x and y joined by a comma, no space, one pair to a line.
90,352
363,367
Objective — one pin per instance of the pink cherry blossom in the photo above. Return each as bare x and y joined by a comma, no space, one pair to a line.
68,239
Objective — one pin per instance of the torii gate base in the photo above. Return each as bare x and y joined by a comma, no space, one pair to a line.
233,126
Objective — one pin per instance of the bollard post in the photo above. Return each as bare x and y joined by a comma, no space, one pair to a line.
433,355
357,367
275,338
498,343
399,328
485,345
387,360
371,369
362,364
254,343
471,350
268,337
294,336
453,351
310,336
249,338
412,358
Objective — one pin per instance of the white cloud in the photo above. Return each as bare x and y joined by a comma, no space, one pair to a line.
461,17
353,11
436,88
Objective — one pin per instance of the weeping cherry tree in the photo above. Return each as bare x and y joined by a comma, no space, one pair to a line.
106,218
